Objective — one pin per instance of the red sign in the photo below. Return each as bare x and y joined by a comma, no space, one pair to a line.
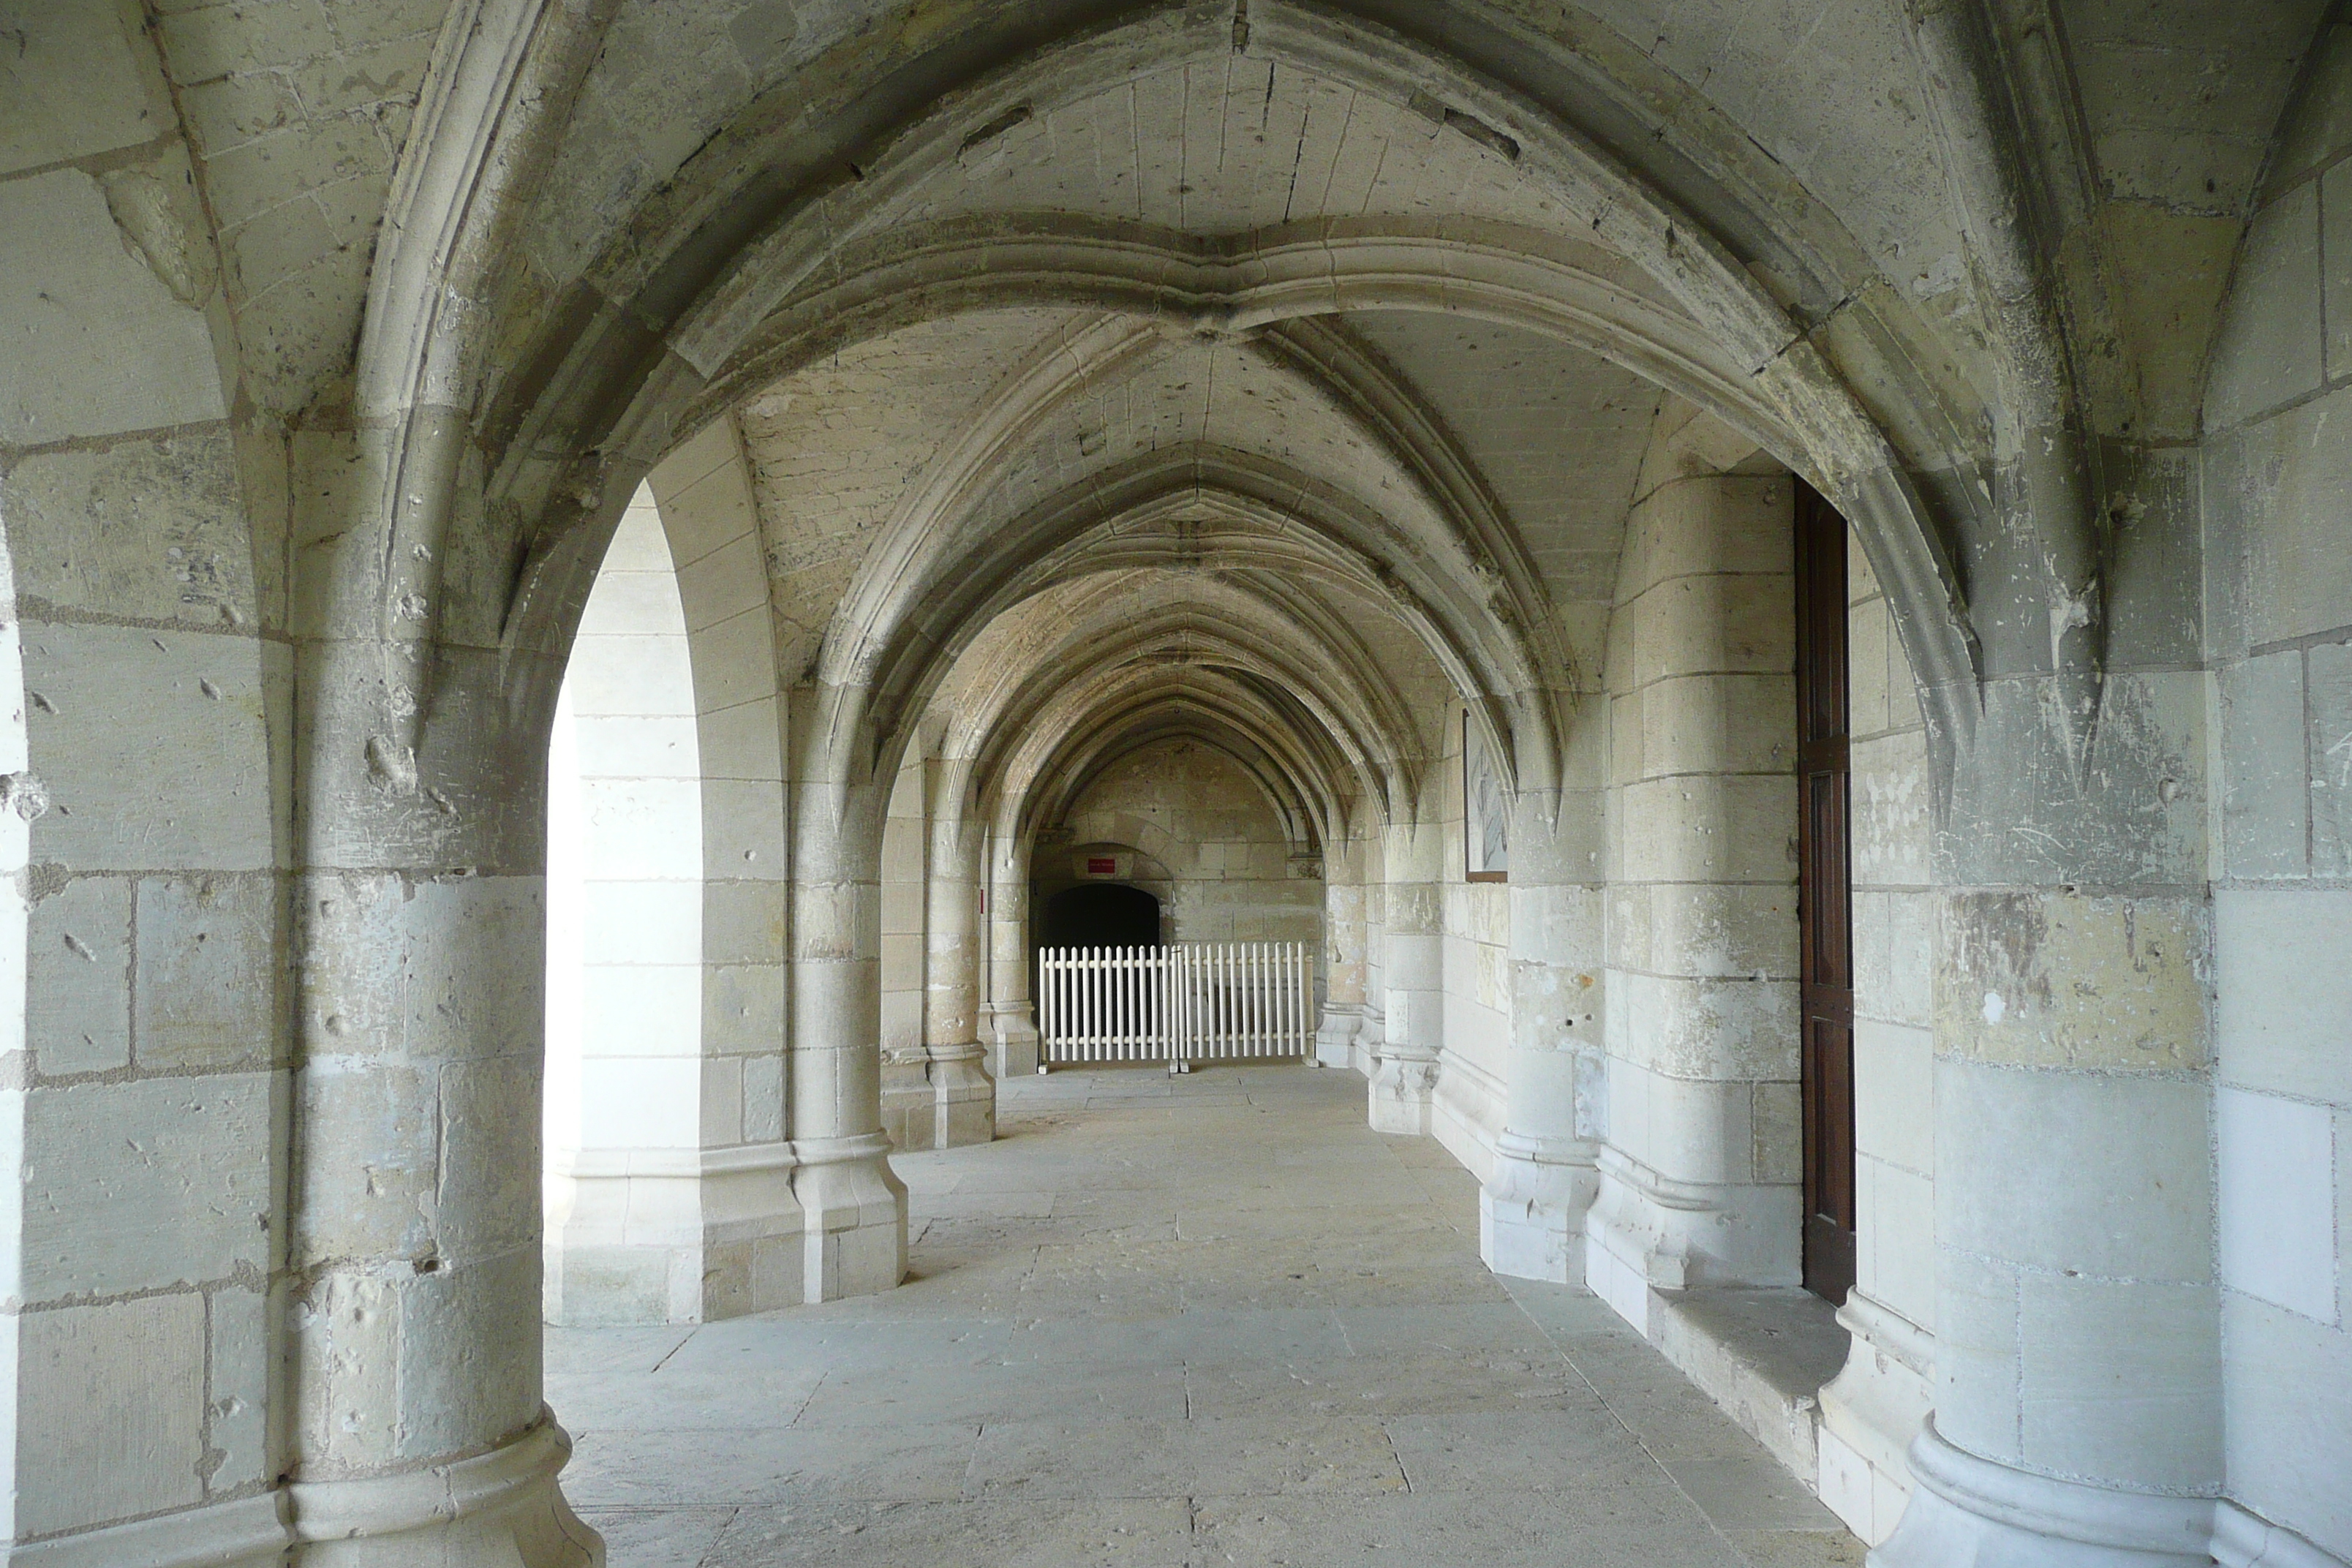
1101,866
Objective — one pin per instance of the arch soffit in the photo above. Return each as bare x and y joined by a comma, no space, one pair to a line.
1040,785
1172,726
1767,379
1078,707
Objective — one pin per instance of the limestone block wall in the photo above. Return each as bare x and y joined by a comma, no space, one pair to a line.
1009,1020
1210,823
1699,1179
1873,1409
1344,946
908,1102
144,759
2278,632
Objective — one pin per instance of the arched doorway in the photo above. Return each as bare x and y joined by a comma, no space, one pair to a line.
1101,914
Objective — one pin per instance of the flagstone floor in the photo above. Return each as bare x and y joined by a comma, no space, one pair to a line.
1203,1321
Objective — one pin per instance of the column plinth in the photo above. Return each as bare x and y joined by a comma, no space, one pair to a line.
856,1243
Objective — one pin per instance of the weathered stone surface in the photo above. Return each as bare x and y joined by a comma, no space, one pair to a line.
143,529
212,987
156,750
74,88
114,1410
1049,389
117,352
190,1204
77,1014
2059,980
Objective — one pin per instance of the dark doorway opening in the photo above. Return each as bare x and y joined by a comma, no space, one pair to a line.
1824,895
1101,914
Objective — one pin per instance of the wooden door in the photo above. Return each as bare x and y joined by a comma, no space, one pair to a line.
1825,896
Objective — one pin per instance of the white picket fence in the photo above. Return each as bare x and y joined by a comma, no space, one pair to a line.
1193,1002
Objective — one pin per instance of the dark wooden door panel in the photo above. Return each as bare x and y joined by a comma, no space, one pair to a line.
1825,896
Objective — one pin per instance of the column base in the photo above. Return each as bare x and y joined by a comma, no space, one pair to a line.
1870,1413
963,1096
1965,1510
1649,1231
499,1509
941,1097
1401,1095
856,1209
1532,1211
1015,1042
642,1236
2243,1540
1335,1040
250,1533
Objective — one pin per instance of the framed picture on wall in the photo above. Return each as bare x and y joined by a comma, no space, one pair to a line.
1486,809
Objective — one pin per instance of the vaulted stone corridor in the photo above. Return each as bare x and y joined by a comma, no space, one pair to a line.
1017,708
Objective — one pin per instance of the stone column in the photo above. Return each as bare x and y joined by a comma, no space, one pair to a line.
2077,1352
856,1206
1372,1032
1012,1019
1700,1178
420,1431
1404,1081
964,1095
1343,966
1531,1210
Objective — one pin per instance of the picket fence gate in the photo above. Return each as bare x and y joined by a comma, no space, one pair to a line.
1192,1002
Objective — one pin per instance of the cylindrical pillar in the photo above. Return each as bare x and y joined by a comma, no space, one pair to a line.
2078,1373
855,1207
1701,1183
963,1096
1405,1082
1343,965
1531,1209
417,1106
1013,1023
2078,1404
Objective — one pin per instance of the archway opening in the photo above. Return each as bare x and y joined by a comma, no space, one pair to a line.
1101,914
625,978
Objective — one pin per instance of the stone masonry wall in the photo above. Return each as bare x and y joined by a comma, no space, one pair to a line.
1197,813
147,1101
2279,636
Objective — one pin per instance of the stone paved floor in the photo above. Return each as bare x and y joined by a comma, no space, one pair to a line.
1199,1320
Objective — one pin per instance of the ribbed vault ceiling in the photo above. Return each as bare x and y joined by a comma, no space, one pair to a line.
1317,678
